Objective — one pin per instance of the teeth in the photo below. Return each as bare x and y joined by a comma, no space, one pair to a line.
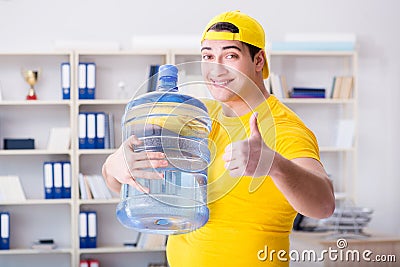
221,83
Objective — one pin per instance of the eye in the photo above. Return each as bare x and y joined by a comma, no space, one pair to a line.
232,56
206,57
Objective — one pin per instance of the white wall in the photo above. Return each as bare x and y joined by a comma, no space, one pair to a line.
34,25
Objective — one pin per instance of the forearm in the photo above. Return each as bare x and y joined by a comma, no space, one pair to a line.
305,185
112,183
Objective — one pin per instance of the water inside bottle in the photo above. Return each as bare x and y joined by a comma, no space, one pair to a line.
178,203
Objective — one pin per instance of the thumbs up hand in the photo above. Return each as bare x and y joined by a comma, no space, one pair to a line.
249,157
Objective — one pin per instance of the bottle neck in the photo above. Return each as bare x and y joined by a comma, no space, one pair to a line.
167,84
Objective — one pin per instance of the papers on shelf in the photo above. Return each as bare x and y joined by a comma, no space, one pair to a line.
59,139
11,189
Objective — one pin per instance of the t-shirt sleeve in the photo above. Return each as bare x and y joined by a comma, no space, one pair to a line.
295,140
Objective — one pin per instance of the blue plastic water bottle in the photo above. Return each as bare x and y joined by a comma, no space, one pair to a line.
177,125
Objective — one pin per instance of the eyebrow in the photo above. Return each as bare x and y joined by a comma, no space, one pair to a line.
223,48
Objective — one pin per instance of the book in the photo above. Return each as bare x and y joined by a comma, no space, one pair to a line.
276,86
307,92
342,87
153,78
346,87
336,87
151,241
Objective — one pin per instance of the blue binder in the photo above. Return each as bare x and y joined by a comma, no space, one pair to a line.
57,179
82,131
66,80
83,229
48,180
66,178
100,130
90,80
91,130
82,81
4,230
92,229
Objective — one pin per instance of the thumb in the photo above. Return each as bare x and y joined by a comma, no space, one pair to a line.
254,131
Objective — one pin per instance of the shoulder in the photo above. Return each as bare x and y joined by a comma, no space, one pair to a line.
213,106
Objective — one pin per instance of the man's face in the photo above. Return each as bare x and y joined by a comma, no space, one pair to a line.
228,69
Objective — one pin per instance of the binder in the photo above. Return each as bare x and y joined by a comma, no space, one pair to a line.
100,130
82,131
66,178
82,77
83,263
92,229
57,179
4,230
90,80
91,130
83,229
82,81
48,180
94,263
66,80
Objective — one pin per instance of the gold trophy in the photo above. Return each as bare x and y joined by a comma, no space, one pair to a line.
31,77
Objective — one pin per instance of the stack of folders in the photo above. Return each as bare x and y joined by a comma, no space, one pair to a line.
89,263
96,130
4,230
66,80
57,179
307,92
88,229
93,187
86,80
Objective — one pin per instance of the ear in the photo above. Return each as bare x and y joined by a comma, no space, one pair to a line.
259,60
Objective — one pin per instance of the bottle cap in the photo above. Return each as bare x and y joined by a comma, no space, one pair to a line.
168,70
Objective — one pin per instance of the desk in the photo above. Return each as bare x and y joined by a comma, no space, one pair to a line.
325,249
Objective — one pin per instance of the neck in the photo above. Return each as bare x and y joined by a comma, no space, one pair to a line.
247,103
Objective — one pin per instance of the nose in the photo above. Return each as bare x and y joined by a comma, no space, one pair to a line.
214,69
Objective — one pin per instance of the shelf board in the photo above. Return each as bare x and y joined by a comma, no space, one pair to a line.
25,251
96,151
98,201
35,103
104,102
316,101
117,249
132,52
19,152
60,201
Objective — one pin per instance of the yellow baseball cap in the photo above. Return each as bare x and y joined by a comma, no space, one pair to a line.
250,31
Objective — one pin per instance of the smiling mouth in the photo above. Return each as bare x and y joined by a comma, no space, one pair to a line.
223,83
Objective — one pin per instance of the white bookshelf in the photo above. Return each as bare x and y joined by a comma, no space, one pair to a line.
43,218
317,69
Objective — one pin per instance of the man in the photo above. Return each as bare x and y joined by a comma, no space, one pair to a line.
266,166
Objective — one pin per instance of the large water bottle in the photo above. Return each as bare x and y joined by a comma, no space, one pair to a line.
177,125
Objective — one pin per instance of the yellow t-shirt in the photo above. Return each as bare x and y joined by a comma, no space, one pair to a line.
249,218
